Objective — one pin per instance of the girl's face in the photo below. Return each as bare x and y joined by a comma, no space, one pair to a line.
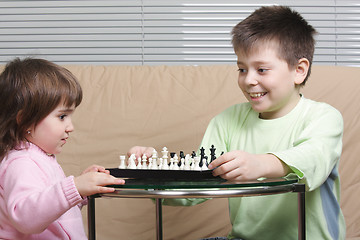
53,131
268,83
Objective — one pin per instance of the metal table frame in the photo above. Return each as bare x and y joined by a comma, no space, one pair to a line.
202,193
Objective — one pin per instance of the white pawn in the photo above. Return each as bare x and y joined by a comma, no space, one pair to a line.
171,167
165,164
204,166
160,165
182,165
122,162
176,162
131,163
187,162
154,165
144,160
192,163
197,163
139,163
150,163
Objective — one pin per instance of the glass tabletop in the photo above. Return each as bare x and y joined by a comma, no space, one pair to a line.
215,182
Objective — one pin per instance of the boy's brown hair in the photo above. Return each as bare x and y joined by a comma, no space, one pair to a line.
281,25
31,89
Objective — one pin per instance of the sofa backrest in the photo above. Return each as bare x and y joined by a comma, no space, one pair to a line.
170,106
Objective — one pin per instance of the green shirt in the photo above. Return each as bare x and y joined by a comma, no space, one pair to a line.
309,141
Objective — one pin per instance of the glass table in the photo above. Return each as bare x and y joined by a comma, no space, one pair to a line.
207,188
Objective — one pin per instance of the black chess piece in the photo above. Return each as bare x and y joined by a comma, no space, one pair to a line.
212,153
202,156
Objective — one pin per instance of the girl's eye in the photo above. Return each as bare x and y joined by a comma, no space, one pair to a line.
62,117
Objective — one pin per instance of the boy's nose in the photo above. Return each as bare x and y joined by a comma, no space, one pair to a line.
250,79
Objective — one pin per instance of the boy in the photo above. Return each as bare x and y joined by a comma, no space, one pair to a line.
278,133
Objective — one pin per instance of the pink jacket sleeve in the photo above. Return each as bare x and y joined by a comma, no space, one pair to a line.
33,200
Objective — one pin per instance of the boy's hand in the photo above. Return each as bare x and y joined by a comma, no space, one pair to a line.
242,166
93,182
139,151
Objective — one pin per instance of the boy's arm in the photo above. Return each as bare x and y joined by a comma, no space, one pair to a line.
242,166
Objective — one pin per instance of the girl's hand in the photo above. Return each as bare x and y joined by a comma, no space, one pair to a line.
93,182
96,168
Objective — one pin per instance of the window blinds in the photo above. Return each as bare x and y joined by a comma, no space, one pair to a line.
157,32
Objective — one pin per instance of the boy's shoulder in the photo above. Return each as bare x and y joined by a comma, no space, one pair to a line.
318,107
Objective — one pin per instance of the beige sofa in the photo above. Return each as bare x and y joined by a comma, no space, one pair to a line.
171,106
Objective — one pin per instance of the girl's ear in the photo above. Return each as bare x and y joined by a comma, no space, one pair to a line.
301,70
19,117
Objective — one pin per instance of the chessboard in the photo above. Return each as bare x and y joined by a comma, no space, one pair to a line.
173,167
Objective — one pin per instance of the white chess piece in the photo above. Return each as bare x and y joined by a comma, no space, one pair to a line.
154,165
155,157
144,161
139,166
197,163
165,154
204,166
182,166
131,163
150,163
160,165
122,162
171,167
165,164
187,162
176,163
192,163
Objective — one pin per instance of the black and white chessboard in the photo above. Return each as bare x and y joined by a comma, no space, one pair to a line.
182,167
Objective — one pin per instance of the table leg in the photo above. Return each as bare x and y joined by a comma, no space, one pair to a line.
91,218
301,212
159,231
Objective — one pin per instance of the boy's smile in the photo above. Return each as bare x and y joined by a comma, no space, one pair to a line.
269,84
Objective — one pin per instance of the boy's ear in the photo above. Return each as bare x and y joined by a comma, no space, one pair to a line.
302,70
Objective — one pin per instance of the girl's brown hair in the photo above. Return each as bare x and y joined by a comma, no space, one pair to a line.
30,89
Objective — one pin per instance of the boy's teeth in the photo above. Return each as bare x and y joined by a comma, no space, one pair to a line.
256,95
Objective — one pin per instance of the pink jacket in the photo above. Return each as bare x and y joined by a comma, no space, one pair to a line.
37,200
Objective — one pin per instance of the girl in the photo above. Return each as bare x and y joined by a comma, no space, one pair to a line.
37,200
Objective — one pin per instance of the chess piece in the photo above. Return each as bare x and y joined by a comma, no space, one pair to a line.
187,162
144,161
182,163
171,167
197,163
202,155
176,163
212,153
131,163
204,164
165,164
139,166
122,162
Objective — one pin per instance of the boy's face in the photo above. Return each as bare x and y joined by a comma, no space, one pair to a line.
267,82
51,133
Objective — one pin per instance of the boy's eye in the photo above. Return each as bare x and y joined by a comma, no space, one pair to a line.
242,70
262,70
